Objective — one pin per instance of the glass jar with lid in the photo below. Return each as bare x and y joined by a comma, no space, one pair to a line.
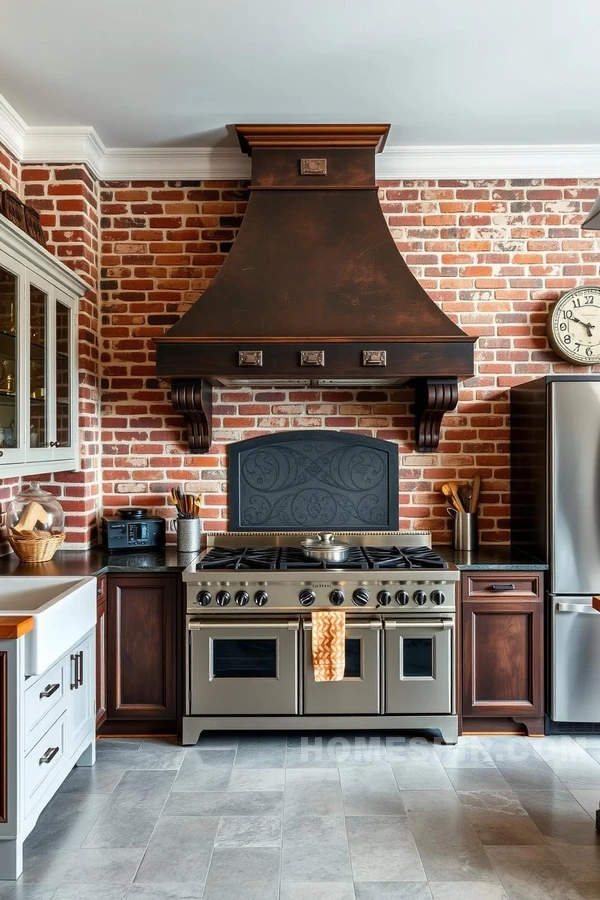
35,510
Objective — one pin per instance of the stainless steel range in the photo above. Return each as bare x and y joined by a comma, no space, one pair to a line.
249,660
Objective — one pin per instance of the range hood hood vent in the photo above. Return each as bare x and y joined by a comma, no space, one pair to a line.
314,290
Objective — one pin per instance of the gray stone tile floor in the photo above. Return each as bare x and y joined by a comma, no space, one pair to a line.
322,817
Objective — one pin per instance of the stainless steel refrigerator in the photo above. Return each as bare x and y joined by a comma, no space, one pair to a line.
555,516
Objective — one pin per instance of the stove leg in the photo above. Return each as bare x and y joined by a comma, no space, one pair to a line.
190,733
449,733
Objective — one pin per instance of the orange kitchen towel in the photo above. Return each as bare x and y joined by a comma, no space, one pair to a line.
329,644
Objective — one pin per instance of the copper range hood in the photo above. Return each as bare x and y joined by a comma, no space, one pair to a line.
314,290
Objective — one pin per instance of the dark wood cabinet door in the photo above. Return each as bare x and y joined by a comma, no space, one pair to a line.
502,655
142,616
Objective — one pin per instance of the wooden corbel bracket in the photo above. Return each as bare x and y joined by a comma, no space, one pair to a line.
193,399
433,398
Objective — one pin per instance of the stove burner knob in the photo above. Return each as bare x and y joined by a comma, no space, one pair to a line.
360,597
438,598
336,598
261,598
223,598
307,598
420,598
384,598
402,598
203,598
242,598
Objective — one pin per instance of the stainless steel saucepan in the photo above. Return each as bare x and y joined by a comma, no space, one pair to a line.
325,548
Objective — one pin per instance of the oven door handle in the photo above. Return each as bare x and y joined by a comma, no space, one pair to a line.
576,608
445,624
196,625
374,625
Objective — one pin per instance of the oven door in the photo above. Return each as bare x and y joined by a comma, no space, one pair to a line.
360,690
243,667
418,667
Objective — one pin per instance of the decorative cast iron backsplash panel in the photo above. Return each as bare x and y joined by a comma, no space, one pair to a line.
313,481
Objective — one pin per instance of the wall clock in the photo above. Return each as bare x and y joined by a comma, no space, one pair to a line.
574,326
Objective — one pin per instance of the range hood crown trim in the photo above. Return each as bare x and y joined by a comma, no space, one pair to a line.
314,263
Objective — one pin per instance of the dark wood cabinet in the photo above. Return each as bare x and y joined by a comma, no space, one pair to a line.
101,653
142,659
502,615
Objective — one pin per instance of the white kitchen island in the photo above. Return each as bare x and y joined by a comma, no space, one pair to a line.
47,698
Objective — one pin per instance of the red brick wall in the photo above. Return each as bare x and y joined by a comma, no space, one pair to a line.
67,198
10,171
493,254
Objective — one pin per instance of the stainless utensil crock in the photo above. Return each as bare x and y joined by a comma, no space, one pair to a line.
465,533
189,535
325,548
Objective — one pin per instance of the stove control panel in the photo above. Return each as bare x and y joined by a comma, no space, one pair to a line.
408,595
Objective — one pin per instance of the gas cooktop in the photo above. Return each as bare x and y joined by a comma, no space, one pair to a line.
293,559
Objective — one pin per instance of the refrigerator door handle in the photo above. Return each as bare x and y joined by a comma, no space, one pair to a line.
576,608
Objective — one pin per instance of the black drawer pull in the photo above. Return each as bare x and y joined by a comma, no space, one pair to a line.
49,755
49,690
503,586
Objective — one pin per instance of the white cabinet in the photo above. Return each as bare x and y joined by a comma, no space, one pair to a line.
47,726
38,358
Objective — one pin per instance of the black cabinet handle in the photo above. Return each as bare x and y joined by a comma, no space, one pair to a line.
75,661
80,655
49,755
49,690
503,586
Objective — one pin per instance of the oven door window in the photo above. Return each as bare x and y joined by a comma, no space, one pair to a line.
244,658
416,659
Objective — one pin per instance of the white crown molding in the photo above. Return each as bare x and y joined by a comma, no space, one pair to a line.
12,128
82,144
76,144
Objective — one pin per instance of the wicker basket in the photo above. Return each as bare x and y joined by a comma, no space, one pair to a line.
35,546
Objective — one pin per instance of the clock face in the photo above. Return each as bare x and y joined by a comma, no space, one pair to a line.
574,326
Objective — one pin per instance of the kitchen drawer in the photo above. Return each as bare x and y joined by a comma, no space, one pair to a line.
502,585
42,762
44,696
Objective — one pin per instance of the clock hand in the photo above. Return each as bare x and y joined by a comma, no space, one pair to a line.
587,325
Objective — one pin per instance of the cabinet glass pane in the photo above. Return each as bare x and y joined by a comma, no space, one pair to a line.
63,375
38,416
417,658
9,299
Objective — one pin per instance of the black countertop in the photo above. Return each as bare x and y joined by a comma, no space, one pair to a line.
489,557
99,562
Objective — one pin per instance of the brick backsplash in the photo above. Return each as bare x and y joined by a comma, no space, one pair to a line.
494,254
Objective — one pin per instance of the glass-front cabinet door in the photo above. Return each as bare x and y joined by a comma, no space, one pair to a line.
39,298
12,418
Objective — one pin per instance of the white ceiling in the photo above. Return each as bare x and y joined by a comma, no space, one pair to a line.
174,73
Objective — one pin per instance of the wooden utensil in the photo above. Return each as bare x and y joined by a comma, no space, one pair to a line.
475,494
450,490
465,492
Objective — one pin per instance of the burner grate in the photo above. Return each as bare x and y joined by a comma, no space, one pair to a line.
259,558
404,558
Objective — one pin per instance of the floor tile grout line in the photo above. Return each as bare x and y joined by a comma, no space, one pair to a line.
346,831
